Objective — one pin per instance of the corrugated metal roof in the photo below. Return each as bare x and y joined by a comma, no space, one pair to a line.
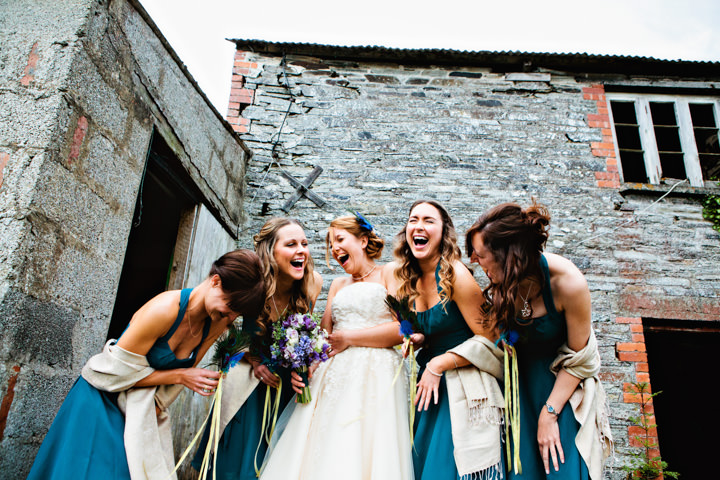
501,60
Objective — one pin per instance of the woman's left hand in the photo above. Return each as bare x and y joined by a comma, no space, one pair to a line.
548,438
427,387
338,342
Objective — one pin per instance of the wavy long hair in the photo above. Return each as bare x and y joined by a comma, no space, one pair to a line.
265,242
409,272
516,237
350,224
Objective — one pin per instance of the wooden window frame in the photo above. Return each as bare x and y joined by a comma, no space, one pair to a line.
651,156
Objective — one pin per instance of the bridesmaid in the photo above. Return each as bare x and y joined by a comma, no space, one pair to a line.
292,286
446,297
546,300
357,419
108,426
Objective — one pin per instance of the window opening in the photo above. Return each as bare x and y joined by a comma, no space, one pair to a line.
705,129
667,138
627,132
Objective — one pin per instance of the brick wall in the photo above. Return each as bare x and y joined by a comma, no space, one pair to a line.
389,133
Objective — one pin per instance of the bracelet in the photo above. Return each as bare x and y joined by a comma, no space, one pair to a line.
427,367
551,410
454,361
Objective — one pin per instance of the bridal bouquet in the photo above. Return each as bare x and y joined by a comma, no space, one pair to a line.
298,342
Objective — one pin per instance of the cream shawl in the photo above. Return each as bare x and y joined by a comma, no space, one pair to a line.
147,437
593,440
476,406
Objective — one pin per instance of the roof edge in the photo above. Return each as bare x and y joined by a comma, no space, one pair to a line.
499,60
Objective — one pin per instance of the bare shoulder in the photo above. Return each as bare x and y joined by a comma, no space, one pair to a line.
566,278
388,276
316,285
156,317
463,275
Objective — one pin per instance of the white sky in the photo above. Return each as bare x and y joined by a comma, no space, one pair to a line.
667,29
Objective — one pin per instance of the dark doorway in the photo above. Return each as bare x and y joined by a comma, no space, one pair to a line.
682,356
166,194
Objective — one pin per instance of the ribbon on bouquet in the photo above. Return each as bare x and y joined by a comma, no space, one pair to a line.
408,346
512,400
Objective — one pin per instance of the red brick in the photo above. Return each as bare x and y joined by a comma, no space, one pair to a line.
608,184
4,159
29,72
642,377
642,367
78,139
602,152
628,320
632,357
631,398
594,89
603,145
638,337
613,168
240,128
242,64
631,347
606,176
598,124
241,55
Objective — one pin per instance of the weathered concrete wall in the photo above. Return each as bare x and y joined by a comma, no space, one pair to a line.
387,134
83,85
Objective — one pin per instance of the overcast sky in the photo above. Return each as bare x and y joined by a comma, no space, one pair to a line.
667,29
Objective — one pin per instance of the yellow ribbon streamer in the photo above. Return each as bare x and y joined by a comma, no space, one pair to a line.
213,437
269,410
512,408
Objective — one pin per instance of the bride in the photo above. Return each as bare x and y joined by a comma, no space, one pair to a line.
356,424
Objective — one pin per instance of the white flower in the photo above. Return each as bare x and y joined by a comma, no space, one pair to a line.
292,337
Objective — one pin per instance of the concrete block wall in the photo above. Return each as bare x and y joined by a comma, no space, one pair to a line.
83,86
388,133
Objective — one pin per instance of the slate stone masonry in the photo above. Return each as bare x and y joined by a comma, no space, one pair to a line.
387,133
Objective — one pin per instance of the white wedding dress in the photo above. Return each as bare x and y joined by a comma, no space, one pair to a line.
356,426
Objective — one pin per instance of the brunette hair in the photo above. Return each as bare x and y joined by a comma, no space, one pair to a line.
241,277
265,242
516,237
409,271
350,224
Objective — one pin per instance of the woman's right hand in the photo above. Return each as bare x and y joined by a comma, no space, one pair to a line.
263,373
296,381
200,380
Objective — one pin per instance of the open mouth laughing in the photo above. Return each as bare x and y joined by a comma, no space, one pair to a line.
342,258
420,240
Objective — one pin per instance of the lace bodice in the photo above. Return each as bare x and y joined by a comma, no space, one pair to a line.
360,305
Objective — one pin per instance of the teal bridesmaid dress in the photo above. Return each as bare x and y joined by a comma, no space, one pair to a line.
444,328
239,442
537,347
85,440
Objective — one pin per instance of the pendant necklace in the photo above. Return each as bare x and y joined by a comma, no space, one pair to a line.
527,310
357,279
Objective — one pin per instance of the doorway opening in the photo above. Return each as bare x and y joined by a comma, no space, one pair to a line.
682,356
159,236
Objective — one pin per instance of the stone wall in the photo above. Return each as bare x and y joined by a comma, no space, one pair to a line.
387,133
83,85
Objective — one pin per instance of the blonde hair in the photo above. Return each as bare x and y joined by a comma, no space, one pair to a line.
265,242
350,224
409,271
